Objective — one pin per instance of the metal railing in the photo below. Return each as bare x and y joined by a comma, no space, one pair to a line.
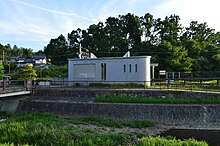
157,84
192,84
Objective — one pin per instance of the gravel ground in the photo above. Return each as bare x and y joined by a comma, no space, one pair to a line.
149,131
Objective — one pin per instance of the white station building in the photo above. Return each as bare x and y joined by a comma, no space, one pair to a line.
126,69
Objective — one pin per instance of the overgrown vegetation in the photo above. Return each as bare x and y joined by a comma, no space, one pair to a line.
42,129
45,129
113,123
126,99
158,141
52,71
39,73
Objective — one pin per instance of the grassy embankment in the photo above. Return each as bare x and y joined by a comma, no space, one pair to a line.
45,129
126,99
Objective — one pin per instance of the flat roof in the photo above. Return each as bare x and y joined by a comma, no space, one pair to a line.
109,58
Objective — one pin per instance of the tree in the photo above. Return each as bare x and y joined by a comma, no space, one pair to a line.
117,41
168,29
1,70
202,44
174,58
99,40
57,50
27,73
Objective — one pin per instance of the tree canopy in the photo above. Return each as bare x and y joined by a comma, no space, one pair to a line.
27,73
174,47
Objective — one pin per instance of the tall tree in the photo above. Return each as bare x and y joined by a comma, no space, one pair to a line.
201,43
174,58
132,30
169,29
117,39
57,50
74,39
99,43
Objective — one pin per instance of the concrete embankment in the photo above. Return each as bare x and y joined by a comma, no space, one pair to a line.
9,106
80,103
160,113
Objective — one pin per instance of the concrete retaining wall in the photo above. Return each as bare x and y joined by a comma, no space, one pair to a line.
9,106
79,102
160,113
56,94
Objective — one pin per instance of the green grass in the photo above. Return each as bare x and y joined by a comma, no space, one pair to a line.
158,141
125,99
42,129
112,122
45,129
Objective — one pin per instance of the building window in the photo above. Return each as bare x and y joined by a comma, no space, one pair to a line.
84,70
103,71
124,68
136,68
129,67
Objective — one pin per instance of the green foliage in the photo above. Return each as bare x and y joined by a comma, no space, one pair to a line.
15,75
15,51
27,73
46,129
42,129
57,51
158,141
52,71
126,99
12,144
113,123
175,48
1,70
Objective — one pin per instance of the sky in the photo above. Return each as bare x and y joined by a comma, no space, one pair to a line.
33,23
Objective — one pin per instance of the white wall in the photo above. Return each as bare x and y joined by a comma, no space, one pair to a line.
41,61
115,69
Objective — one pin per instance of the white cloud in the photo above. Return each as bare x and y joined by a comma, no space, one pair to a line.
27,22
39,22
191,10
52,11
